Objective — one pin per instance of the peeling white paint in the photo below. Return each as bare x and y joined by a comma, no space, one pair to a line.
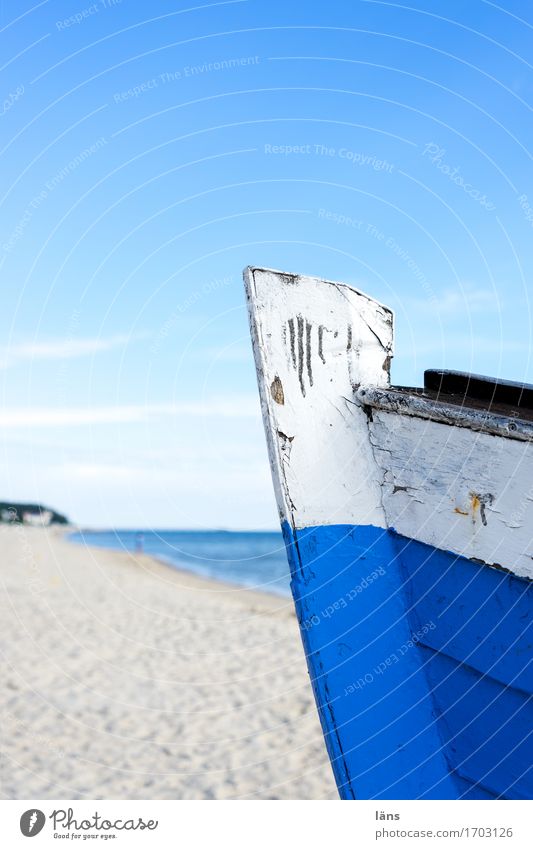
345,448
457,489
314,342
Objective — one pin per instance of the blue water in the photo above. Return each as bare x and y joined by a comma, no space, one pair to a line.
249,559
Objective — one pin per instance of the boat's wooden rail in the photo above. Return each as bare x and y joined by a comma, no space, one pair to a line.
457,409
494,392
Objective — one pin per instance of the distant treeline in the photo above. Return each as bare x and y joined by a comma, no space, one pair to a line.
30,514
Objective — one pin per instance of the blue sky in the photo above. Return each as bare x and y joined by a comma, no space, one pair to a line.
150,151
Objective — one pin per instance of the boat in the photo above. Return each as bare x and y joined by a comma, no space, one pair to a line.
407,515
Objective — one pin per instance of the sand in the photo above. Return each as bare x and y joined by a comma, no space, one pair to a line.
126,679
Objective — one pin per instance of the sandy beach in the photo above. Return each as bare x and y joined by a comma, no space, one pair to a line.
124,678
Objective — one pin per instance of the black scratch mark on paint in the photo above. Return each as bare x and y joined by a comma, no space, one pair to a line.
321,343
347,785
284,436
308,328
483,501
301,353
292,341
373,332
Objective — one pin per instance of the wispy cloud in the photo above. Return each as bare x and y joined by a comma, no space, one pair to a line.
227,354
472,344
453,302
43,417
61,349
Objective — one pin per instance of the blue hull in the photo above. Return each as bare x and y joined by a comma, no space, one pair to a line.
419,664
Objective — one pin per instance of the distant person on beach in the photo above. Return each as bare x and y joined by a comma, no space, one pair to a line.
139,542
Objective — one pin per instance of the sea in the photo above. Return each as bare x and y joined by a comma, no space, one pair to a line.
252,559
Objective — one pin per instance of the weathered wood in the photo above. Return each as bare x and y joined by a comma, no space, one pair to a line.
476,386
412,403
392,504
314,341
457,489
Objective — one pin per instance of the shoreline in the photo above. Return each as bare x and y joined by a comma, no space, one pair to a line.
128,679
169,563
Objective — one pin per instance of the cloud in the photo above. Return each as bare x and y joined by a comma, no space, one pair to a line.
468,344
227,354
42,417
453,302
62,349
37,417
